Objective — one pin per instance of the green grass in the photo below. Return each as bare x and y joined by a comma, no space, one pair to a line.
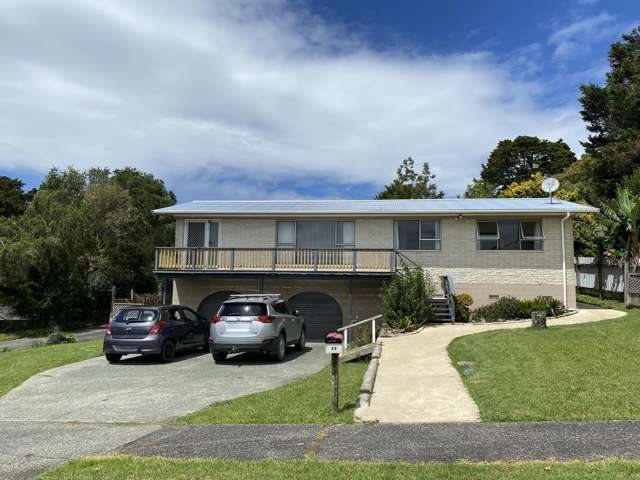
152,468
573,372
18,365
302,401
604,303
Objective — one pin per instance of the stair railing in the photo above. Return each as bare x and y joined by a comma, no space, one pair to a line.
449,291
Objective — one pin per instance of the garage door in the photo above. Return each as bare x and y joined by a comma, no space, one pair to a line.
321,313
211,304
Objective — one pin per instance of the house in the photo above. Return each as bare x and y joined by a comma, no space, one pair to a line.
329,258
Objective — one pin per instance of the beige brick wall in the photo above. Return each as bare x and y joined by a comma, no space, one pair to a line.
365,294
518,273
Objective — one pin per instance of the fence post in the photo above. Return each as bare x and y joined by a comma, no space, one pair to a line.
315,260
355,259
233,259
373,331
335,382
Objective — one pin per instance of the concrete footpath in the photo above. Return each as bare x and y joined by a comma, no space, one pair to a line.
416,382
414,443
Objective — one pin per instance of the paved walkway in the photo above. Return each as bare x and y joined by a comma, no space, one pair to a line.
442,442
81,336
416,381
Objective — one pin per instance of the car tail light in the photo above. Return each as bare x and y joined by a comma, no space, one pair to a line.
108,329
157,327
266,318
215,319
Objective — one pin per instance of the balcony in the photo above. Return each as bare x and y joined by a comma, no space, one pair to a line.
279,260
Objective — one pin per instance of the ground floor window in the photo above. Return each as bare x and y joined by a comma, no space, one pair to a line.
509,235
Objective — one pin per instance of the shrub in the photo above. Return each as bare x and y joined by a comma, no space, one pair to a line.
463,302
405,299
59,337
510,308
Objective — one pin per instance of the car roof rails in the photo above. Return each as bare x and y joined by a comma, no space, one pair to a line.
254,295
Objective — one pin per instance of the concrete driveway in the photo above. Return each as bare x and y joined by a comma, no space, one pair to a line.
140,389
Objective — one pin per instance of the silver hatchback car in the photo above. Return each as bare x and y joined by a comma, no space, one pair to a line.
255,323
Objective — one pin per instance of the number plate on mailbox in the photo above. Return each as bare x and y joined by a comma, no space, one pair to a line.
333,348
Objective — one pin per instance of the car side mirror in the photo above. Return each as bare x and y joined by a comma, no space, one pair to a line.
296,313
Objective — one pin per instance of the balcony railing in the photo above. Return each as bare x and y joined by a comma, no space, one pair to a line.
334,260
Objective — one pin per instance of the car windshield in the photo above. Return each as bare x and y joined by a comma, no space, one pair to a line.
243,309
139,315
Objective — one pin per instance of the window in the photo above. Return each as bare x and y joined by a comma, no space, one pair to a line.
281,307
509,235
135,315
345,234
315,234
190,315
418,234
286,234
201,233
243,309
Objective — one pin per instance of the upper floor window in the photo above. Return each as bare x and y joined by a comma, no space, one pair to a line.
418,234
315,234
509,235
201,233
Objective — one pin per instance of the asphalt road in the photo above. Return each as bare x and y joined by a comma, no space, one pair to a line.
414,443
81,336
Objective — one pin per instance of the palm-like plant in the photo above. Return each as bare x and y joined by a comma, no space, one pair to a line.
621,219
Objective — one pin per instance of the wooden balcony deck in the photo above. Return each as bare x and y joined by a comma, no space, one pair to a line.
281,260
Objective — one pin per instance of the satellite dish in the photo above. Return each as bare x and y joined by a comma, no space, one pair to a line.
550,185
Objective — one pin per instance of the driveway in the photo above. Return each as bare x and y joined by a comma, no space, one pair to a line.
416,381
140,389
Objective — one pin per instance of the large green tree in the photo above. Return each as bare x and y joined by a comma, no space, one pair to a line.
516,160
83,233
13,198
411,184
612,115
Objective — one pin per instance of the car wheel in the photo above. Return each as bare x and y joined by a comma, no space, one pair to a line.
167,352
302,341
219,357
281,348
113,357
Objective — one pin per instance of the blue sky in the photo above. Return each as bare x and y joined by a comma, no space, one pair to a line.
277,99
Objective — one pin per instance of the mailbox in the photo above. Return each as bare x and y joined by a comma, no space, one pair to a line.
333,343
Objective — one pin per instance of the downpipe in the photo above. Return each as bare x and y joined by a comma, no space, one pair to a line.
564,260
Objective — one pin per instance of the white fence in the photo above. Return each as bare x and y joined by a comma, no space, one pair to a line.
587,275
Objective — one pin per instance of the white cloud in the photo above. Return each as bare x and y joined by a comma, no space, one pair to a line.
576,38
243,99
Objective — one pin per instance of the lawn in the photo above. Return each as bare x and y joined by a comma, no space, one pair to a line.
18,365
152,468
604,303
304,401
573,372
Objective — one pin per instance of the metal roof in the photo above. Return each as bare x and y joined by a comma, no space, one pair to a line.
374,207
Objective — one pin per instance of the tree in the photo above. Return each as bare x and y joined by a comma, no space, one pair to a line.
478,189
516,160
13,199
612,115
410,184
83,233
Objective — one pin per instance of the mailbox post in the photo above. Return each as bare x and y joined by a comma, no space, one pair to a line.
333,346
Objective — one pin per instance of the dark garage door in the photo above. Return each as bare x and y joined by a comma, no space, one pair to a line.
211,304
321,313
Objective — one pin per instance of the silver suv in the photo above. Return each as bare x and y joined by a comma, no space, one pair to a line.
255,323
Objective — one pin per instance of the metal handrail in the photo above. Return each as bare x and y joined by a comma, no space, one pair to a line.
346,328
449,290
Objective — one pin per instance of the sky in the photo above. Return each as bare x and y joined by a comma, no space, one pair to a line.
282,99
